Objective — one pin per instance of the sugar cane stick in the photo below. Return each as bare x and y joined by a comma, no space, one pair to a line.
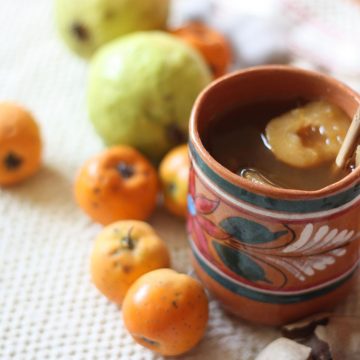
349,142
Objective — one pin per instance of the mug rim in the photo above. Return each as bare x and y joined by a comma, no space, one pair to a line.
265,189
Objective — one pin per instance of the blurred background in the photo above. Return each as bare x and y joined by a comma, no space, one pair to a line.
321,34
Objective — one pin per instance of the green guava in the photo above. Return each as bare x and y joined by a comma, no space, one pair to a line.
85,25
141,90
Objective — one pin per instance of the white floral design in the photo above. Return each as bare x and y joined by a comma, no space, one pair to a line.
322,240
304,267
314,250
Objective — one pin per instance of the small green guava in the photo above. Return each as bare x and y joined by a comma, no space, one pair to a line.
85,25
141,91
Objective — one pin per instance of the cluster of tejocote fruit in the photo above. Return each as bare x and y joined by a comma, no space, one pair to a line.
143,81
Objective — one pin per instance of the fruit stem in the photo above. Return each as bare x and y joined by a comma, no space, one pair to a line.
149,341
125,170
12,161
128,241
80,31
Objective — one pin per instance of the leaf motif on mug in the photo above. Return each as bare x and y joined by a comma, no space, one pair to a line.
240,263
314,240
249,232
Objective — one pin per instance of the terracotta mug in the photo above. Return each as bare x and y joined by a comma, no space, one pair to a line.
271,255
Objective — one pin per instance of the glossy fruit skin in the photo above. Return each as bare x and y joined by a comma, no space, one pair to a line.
117,184
174,177
166,311
20,144
123,251
210,43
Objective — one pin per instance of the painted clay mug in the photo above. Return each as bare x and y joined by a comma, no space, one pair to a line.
271,255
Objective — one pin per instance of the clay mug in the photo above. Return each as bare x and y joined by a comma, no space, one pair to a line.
271,255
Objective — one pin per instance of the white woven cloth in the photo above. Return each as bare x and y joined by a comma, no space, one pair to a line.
48,307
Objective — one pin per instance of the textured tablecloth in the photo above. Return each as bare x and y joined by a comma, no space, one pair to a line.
48,307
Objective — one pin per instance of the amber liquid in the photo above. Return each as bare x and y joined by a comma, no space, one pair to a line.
237,140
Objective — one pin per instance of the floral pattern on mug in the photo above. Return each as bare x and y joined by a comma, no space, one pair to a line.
250,252
198,224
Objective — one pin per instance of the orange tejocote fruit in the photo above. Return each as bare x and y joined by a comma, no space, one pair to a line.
174,177
211,44
124,251
117,184
20,144
166,311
